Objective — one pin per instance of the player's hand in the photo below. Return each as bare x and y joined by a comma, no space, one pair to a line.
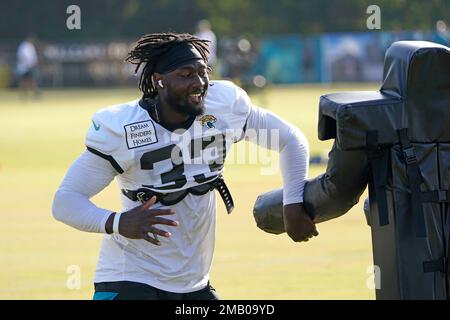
298,223
139,222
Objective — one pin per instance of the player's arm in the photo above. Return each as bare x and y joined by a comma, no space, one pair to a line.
89,175
274,133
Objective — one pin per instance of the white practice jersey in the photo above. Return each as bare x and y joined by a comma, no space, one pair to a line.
27,57
148,155
144,154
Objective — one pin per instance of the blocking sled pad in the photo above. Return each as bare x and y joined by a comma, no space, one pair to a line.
397,141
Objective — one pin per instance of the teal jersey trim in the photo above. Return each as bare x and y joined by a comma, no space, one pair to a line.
105,295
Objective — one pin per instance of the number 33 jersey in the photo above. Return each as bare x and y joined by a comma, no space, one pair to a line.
147,155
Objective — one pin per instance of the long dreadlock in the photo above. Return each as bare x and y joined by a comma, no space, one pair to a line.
150,47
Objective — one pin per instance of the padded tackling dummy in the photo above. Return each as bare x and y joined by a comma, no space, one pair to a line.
396,140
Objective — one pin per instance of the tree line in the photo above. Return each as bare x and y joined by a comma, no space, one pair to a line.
105,20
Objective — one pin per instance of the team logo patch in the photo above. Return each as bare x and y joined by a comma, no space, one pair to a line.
208,120
140,134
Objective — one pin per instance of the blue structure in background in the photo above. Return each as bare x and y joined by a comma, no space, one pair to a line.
330,57
280,59
352,57
289,59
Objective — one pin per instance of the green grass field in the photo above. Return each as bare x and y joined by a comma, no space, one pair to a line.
40,139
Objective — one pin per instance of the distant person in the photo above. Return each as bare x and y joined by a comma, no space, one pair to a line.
27,63
160,245
442,35
204,32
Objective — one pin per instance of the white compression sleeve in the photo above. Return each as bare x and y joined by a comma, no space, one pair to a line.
292,145
87,176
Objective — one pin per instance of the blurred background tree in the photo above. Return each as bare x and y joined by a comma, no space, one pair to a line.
112,19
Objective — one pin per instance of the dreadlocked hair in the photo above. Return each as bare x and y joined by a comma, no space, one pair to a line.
150,47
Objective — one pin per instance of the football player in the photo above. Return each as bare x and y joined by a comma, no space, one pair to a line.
167,151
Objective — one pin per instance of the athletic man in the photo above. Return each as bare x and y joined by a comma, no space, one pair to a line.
167,151
27,62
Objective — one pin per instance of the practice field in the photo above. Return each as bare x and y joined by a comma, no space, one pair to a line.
41,258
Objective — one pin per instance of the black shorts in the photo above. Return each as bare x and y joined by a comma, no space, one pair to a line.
29,74
127,290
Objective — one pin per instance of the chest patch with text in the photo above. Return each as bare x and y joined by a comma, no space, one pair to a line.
140,134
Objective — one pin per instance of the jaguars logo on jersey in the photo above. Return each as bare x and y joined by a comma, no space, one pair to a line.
208,120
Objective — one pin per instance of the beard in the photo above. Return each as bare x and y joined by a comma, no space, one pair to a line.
184,106
189,109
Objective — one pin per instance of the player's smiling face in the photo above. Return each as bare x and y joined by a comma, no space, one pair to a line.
186,87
